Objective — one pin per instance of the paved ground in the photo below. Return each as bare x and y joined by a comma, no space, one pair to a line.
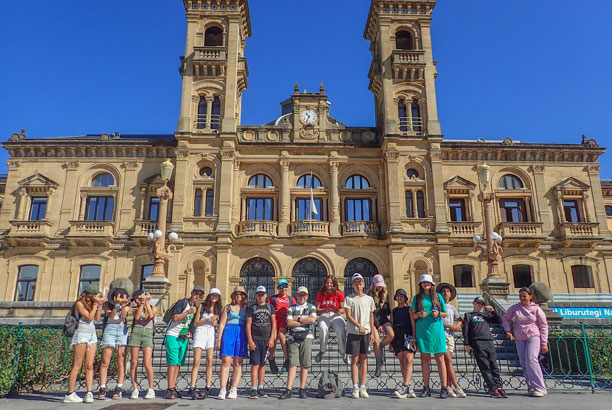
518,400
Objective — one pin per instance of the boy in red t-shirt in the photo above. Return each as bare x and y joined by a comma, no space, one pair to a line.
329,304
281,302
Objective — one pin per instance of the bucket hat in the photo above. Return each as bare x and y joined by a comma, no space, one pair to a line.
447,285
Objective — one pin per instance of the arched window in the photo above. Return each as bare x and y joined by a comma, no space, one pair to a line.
403,115
403,40
412,173
417,121
309,272
213,37
103,180
309,181
206,172
260,181
202,111
510,181
357,182
257,272
359,265
215,118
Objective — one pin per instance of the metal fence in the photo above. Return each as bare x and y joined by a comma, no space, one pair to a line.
40,359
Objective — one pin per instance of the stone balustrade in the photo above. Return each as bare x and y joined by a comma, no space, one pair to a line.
256,228
92,228
29,228
520,229
579,229
361,228
203,53
310,228
463,229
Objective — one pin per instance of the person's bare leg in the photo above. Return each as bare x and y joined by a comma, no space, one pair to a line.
237,372
77,363
90,356
226,362
209,366
291,373
303,377
425,362
355,369
147,358
197,357
363,368
255,375
107,353
120,364
134,350
441,369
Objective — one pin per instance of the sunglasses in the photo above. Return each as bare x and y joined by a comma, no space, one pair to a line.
283,286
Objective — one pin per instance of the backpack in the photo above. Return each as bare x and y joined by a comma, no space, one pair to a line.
329,385
168,313
71,322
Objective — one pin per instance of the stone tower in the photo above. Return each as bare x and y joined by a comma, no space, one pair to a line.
403,72
214,68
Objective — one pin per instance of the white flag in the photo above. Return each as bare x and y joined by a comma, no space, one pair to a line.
313,206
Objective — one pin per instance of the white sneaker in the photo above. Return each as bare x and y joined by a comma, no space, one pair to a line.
363,393
355,392
411,393
73,398
150,394
222,394
89,397
536,393
233,393
401,392
460,393
451,393
134,395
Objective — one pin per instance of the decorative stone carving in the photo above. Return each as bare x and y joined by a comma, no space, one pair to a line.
18,137
368,136
272,136
248,135
591,143
309,133
508,141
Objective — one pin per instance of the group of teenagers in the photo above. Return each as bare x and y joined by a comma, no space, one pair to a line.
427,324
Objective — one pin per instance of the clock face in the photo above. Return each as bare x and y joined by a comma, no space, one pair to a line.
309,116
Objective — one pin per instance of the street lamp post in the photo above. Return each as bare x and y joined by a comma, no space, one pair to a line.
158,284
491,251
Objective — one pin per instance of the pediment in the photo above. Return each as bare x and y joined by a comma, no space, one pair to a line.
38,180
458,182
571,184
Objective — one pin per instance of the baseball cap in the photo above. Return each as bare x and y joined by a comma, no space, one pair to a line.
282,282
479,299
261,289
198,288
215,291
356,276
302,289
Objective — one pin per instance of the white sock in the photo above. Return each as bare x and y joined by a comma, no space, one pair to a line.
120,385
103,386
355,386
363,386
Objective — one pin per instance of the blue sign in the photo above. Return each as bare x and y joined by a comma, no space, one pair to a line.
584,312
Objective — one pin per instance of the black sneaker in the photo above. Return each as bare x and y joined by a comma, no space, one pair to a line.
285,366
273,365
178,393
193,393
205,392
426,392
261,393
444,393
118,393
286,395
102,393
170,394
303,394
253,394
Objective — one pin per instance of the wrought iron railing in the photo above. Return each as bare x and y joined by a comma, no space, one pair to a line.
40,359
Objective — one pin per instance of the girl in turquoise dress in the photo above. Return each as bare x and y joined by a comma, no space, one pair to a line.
428,309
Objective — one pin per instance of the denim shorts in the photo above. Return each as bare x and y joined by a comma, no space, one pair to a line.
84,336
114,335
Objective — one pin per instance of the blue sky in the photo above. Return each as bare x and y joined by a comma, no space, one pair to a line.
535,71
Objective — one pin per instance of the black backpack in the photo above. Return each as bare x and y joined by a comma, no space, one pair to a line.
71,322
329,385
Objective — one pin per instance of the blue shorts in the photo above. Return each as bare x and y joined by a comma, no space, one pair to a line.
114,336
234,342
84,336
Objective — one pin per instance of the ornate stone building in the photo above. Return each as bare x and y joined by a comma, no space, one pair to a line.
396,199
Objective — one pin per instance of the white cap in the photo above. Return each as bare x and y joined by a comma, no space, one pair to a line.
261,289
215,291
356,276
427,278
302,289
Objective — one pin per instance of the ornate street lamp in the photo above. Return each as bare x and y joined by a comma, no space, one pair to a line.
492,250
160,252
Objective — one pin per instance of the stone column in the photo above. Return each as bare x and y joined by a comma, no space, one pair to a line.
390,112
182,181
225,194
432,125
393,189
334,200
540,197
184,122
437,186
285,199
23,201
598,202
228,113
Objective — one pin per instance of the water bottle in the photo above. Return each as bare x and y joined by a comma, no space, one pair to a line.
437,310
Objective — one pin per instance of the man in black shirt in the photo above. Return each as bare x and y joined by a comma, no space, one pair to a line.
478,339
261,334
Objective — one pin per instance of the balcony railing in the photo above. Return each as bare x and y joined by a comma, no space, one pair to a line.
466,229
310,228
201,124
411,125
579,229
202,53
144,228
361,228
520,229
255,228
28,228
92,228
408,57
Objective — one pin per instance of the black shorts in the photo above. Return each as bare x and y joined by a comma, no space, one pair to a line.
357,344
401,340
258,356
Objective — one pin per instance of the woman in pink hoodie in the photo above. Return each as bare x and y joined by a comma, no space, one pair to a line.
531,337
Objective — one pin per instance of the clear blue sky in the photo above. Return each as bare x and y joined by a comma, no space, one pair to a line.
535,71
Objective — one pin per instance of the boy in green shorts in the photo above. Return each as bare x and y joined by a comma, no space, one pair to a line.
177,337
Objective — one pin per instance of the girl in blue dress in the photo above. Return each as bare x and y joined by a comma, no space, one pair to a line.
232,342
428,309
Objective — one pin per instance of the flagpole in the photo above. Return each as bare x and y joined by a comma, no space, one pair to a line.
310,207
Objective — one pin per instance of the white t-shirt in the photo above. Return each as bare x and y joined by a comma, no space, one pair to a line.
361,309
451,317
